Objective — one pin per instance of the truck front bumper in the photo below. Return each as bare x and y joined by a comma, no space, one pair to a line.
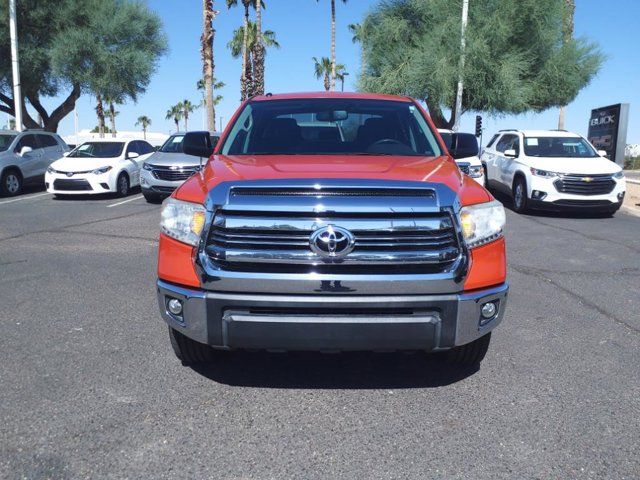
331,323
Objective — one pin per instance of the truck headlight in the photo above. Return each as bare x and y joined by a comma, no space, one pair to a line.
482,223
543,173
183,221
476,171
101,170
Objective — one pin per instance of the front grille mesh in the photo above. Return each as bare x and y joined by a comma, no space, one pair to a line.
585,184
63,184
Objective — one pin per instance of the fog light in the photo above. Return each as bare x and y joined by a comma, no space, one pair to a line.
175,306
488,310
621,196
538,195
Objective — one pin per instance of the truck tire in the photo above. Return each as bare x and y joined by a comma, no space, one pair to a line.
519,195
470,354
152,197
11,182
189,351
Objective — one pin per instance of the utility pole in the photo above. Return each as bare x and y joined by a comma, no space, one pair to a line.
15,64
458,107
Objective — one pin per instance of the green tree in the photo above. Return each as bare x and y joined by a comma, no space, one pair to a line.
333,43
516,60
187,109
70,47
567,35
246,78
144,122
356,30
216,85
322,69
175,113
112,114
236,45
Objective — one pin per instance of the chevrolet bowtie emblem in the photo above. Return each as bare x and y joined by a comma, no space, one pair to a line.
587,179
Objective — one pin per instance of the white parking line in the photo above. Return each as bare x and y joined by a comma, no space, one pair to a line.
19,199
124,201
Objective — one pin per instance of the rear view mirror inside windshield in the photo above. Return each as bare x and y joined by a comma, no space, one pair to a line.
332,116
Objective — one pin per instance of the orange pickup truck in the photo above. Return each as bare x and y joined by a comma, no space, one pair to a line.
330,222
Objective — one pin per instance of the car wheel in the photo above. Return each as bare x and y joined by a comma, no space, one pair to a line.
189,351
11,183
152,197
470,354
122,185
519,194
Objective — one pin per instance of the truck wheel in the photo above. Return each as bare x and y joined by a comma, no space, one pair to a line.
189,351
470,354
519,195
11,183
152,197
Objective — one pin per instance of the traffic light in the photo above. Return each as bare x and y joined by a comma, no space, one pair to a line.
478,126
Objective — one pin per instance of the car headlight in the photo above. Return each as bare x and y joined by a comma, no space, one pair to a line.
51,170
183,221
100,171
146,166
543,173
619,175
476,171
482,223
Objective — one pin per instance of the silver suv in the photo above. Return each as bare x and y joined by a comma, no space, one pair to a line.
169,167
25,157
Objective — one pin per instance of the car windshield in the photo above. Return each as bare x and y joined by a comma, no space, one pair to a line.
331,127
5,141
558,147
173,144
98,150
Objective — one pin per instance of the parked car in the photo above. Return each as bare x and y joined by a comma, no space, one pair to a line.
331,222
463,147
99,166
169,167
552,169
25,156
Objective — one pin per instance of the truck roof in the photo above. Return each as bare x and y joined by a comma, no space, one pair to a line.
312,95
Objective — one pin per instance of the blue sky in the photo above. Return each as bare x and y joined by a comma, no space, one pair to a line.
302,28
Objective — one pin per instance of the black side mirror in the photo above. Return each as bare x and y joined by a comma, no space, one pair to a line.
197,144
464,145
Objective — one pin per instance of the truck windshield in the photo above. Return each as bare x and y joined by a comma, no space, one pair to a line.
5,141
331,127
98,150
558,147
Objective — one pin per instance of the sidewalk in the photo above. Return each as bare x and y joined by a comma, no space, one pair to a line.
632,175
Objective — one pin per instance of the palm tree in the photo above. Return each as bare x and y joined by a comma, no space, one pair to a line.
175,113
216,85
357,30
112,113
333,42
187,108
144,122
206,50
258,55
245,77
323,68
341,73
100,115
236,45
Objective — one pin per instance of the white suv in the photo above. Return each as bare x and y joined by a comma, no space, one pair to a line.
463,147
552,169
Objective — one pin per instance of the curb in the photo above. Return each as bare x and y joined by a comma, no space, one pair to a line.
635,182
631,210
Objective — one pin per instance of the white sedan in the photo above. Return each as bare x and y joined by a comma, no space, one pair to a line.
99,166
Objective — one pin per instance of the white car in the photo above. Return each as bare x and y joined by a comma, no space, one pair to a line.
552,169
99,166
463,147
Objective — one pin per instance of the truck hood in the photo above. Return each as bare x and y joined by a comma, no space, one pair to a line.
592,165
166,159
222,168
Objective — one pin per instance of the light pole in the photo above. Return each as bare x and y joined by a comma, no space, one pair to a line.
15,64
465,15
342,80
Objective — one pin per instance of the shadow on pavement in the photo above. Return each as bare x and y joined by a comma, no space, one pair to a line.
332,371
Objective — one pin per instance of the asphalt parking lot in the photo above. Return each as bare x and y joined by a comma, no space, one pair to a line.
91,389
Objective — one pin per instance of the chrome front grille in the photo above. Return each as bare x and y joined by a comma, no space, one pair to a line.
585,184
383,243
173,174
